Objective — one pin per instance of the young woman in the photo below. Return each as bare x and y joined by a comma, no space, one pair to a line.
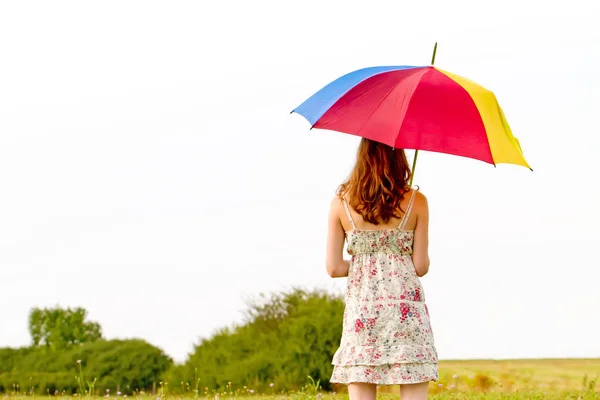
387,337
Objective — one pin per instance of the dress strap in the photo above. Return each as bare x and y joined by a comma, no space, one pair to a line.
348,213
409,209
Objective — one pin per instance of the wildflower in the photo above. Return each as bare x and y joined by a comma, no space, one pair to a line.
455,376
272,384
451,387
118,393
107,390
440,385
78,361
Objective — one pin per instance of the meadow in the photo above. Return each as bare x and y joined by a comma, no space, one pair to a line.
485,379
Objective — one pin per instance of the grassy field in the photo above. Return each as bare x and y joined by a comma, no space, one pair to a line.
449,395
512,375
505,379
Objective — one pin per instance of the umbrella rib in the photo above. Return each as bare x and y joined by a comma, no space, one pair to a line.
375,109
381,102
412,92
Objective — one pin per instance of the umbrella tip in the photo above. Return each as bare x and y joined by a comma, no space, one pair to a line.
531,169
291,112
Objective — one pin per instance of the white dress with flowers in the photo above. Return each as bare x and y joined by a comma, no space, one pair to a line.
387,337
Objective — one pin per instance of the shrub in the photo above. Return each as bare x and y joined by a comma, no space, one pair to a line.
286,338
124,364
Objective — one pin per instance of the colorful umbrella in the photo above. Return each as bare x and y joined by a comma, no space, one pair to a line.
418,108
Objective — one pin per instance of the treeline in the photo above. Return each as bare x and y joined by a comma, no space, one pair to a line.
286,338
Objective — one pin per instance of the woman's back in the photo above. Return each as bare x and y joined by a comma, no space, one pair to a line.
408,218
394,238
411,226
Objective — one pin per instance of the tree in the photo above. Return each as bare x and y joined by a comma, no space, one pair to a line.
59,328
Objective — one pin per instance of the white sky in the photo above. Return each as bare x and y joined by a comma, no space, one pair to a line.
152,174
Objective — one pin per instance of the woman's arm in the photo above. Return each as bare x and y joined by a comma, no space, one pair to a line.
337,267
420,255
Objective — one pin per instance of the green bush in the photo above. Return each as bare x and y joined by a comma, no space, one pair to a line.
286,338
124,364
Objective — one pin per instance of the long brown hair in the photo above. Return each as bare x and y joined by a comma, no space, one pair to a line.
378,182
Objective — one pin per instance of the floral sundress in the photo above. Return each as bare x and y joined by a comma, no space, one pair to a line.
387,337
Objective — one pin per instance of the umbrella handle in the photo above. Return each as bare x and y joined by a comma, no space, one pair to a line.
414,165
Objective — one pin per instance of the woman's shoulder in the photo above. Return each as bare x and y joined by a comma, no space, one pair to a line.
419,195
336,201
420,202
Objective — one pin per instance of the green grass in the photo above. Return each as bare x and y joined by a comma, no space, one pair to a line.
576,379
572,395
